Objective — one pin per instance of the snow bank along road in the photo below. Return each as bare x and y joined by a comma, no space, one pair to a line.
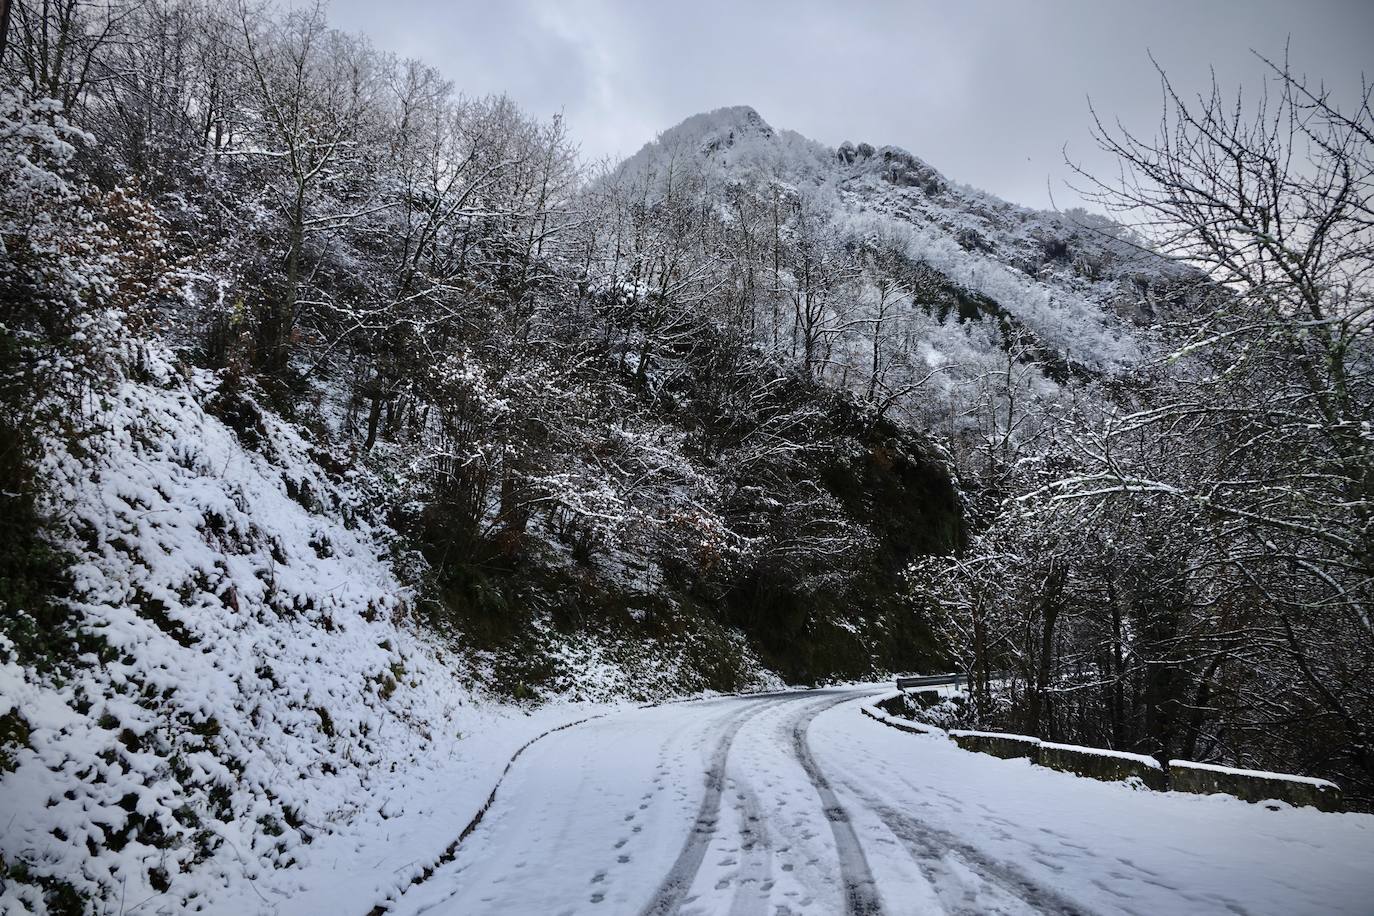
794,803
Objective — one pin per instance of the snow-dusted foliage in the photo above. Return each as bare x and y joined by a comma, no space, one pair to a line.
1185,568
64,248
241,678
880,275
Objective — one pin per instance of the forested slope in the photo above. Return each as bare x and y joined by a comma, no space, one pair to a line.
333,400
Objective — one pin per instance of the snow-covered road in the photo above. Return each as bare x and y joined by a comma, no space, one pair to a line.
794,803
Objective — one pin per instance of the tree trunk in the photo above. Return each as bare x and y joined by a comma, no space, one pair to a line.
1118,673
1160,684
279,355
982,698
4,26
1198,714
374,416
1039,719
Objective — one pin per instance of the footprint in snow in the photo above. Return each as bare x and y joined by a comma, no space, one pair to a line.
1110,890
1130,864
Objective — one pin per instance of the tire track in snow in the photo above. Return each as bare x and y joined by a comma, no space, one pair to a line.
754,878
669,896
860,890
928,847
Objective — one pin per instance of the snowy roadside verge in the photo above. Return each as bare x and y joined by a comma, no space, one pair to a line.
1106,765
414,823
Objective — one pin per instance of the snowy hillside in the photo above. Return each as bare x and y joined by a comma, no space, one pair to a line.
243,688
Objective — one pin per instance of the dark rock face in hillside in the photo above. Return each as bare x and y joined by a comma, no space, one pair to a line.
879,489
905,170
888,480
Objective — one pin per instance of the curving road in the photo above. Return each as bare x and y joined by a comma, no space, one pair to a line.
794,803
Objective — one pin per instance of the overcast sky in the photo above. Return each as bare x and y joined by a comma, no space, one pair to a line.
990,93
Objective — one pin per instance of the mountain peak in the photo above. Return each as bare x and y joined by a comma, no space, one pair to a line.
733,137
711,131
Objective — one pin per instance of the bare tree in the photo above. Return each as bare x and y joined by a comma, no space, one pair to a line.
314,98
1267,413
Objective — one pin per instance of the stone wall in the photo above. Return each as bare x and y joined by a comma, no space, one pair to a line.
1253,785
894,705
1108,766
996,744
1115,766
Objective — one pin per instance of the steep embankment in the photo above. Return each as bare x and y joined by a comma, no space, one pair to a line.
236,688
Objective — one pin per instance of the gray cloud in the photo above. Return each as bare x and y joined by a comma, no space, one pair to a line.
988,92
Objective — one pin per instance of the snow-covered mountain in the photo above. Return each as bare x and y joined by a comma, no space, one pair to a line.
1081,288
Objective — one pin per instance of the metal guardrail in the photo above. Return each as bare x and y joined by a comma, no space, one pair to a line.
930,680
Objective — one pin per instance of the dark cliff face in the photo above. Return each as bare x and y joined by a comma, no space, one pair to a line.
826,616
890,481
816,594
